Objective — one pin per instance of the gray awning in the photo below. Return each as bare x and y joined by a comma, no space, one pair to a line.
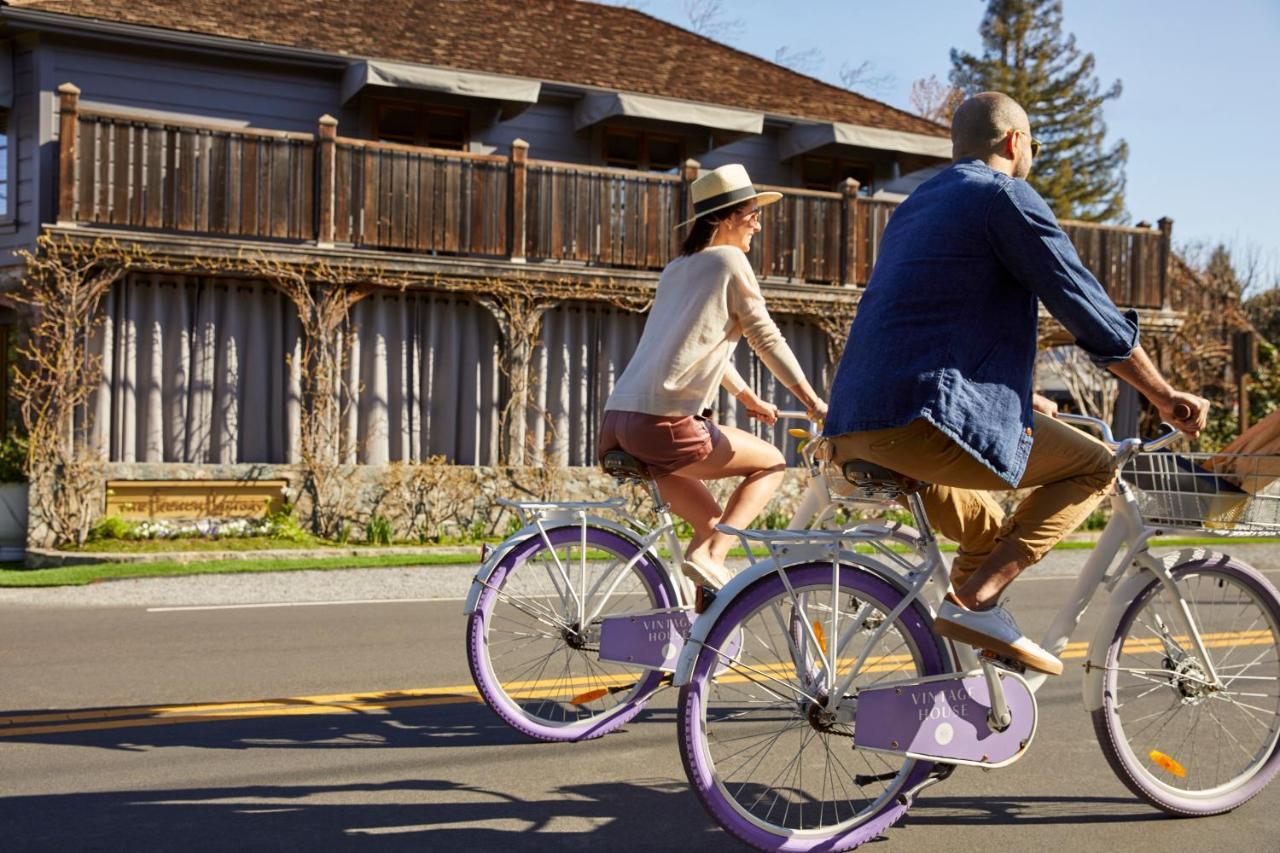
470,84
600,106
806,137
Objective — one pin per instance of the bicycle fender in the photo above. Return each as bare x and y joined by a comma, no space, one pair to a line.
748,576
1124,595
487,568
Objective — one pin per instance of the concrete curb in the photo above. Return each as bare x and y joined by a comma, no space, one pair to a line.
45,558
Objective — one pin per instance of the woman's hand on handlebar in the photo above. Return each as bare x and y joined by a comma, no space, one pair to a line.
757,408
1187,412
1044,405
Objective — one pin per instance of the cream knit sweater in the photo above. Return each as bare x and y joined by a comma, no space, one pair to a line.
704,304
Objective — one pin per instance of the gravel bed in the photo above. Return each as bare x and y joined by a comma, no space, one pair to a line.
421,582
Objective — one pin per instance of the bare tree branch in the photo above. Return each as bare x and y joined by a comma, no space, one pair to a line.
802,61
708,18
864,79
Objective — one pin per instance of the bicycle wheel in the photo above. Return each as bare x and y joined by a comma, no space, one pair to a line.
1172,738
768,763
534,661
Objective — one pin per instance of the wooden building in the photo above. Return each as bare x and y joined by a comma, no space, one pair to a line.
466,147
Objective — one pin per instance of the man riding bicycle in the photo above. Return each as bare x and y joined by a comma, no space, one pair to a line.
936,378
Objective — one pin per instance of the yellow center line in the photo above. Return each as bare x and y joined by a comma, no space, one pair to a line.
14,724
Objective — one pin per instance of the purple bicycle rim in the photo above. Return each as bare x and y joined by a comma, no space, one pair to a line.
487,682
691,711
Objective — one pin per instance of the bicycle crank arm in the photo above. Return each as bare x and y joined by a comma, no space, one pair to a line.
601,692
945,718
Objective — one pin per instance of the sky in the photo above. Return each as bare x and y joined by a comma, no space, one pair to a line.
1200,106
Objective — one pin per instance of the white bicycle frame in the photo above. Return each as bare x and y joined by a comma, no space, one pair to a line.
540,517
1127,536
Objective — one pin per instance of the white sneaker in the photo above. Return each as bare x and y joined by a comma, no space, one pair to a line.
996,631
705,573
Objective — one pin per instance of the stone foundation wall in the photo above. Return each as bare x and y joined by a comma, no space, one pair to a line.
425,501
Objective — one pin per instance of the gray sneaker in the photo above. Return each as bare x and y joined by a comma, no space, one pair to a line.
996,631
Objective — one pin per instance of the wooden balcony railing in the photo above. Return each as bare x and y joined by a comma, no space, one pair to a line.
138,172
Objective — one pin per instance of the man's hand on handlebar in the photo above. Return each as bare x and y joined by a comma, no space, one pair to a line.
1187,412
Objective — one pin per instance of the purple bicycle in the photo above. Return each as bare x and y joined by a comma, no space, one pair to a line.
578,618
816,702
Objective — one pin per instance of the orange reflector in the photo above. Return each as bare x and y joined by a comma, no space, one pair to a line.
589,696
796,432
1167,763
821,635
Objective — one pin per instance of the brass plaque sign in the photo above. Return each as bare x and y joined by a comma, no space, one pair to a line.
138,500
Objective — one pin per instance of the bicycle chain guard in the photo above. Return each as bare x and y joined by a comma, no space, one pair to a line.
945,718
653,639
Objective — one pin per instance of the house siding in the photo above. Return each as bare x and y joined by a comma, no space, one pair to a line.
24,137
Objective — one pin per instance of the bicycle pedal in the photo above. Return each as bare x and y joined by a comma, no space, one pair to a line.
703,599
1003,662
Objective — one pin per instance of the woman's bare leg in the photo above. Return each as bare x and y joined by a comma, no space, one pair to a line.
738,454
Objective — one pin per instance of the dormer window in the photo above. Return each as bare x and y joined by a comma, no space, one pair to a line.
421,124
828,173
650,152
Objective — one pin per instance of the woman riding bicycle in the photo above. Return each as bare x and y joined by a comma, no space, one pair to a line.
659,411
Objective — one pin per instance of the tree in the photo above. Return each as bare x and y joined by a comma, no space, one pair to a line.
935,100
1025,55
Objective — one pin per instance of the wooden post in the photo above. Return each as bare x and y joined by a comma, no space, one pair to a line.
326,144
1166,255
1244,359
68,150
849,229
519,200
688,174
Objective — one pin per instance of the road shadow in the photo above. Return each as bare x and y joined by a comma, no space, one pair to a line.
404,722
464,723
410,815
1027,811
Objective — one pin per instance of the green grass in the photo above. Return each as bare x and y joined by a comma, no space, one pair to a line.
199,543
14,575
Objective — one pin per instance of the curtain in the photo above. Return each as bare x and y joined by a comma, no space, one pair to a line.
196,370
422,379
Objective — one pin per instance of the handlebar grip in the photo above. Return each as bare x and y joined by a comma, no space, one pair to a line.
1182,411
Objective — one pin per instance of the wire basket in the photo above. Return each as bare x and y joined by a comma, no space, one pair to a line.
1225,494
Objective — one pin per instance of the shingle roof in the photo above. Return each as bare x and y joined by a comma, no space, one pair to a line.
554,40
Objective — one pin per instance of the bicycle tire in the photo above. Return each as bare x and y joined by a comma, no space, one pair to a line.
913,626
543,712
1149,772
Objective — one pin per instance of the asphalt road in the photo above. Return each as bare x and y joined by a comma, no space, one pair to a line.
335,726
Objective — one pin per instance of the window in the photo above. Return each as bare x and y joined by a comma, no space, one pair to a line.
421,124
5,178
828,173
633,149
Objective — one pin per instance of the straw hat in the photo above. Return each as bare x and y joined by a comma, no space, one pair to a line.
725,187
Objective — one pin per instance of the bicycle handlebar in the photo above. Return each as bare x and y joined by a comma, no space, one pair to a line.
1109,439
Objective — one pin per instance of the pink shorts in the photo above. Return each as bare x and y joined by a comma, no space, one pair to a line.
666,443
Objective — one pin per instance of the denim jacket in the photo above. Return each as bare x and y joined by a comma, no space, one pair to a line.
947,328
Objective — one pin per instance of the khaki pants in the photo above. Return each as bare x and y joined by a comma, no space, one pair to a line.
1072,472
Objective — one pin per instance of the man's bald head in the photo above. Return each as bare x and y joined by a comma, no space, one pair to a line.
981,123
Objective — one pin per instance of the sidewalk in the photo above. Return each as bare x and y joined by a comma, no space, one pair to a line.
440,582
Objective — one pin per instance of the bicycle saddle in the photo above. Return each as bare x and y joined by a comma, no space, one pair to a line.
878,479
620,464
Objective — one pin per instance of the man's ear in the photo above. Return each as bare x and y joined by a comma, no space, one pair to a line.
1009,148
